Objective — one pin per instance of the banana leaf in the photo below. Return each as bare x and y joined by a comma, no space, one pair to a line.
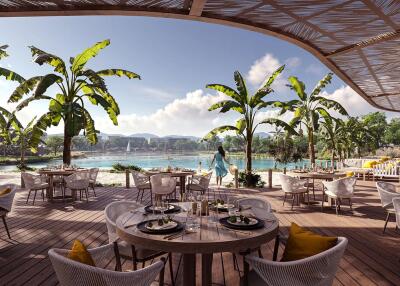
10,75
298,86
46,81
321,84
218,130
241,85
81,59
24,88
227,91
41,57
118,72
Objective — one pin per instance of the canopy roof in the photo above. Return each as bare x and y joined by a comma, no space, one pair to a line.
357,39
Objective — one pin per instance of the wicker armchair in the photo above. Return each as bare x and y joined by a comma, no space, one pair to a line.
340,189
35,183
162,185
135,253
294,187
73,273
199,183
78,182
6,202
387,193
317,270
396,205
142,183
93,172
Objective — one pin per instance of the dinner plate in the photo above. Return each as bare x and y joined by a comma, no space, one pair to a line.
172,227
171,209
222,208
252,221
259,224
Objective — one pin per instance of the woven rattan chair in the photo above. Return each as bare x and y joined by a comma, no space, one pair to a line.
294,187
93,172
78,182
162,185
396,205
142,183
317,270
135,253
339,190
6,202
387,192
34,183
73,273
199,183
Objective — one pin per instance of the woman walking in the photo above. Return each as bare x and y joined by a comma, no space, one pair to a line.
220,169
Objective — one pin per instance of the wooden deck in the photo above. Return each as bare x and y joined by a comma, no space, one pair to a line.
370,259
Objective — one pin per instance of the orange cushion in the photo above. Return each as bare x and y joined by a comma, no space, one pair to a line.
303,243
5,191
79,253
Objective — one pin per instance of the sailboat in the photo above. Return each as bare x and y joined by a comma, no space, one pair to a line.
128,147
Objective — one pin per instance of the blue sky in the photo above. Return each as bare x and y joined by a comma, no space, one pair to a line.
175,58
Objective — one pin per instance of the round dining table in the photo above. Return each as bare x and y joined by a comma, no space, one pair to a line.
317,175
50,173
212,237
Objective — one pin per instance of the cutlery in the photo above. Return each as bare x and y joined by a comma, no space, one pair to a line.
130,225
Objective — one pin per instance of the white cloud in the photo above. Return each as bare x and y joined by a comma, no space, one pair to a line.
156,93
189,116
351,101
263,67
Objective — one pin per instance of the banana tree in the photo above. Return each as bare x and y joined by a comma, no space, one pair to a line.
21,136
333,132
76,87
248,106
309,108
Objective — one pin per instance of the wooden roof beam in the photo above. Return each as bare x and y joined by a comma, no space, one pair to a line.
372,41
197,7
386,94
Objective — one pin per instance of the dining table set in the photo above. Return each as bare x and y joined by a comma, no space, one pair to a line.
198,226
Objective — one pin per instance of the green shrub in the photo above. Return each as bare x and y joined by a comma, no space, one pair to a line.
121,168
250,180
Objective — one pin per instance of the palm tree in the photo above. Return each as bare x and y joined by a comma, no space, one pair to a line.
248,107
76,87
308,109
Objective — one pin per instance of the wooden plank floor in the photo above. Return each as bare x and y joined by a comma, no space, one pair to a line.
370,259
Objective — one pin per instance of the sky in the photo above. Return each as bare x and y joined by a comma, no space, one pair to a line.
176,60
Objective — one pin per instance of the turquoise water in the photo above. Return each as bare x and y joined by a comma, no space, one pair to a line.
161,160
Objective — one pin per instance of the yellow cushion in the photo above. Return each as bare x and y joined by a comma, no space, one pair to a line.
350,174
79,253
5,191
369,164
303,243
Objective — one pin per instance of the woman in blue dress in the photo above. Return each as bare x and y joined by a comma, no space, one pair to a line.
220,169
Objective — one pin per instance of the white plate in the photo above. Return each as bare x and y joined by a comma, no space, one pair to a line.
155,225
170,207
253,221
225,206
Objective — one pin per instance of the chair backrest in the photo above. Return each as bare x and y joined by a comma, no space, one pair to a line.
386,192
317,270
259,207
139,178
78,180
205,180
343,186
113,211
162,184
93,172
396,205
288,183
31,180
6,200
73,273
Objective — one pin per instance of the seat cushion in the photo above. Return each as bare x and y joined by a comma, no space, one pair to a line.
303,243
5,191
333,195
79,253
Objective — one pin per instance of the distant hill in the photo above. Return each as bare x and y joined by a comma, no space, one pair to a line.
263,134
194,138
145,135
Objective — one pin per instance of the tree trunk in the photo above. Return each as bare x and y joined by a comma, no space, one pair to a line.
22,157
311,145
333,160
248,154
67,150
